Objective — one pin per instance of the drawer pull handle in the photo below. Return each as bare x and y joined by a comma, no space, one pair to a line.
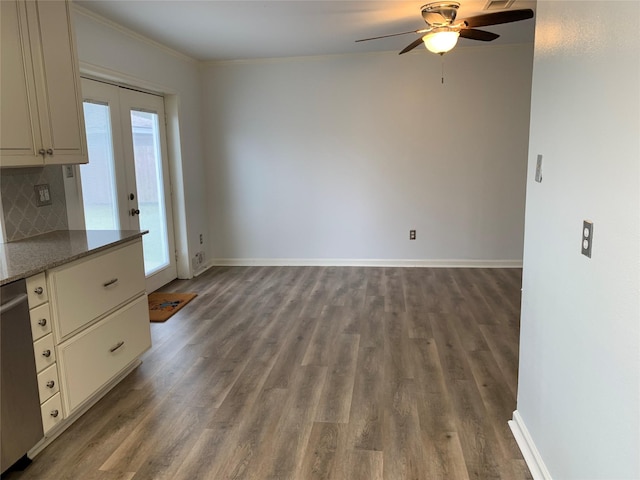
110,282
54,413
39,290
51,384
42,322
117,346
46,353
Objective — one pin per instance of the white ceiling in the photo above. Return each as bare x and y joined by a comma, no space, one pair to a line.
242,29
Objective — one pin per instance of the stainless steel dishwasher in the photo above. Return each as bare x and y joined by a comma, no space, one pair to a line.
20,417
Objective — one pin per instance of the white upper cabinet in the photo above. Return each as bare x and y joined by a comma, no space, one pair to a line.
41,120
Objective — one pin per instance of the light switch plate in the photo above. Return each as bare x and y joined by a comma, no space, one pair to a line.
43,196
539,169
587,238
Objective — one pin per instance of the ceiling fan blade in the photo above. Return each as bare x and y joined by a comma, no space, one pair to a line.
411,46
497,18
481,35
391,35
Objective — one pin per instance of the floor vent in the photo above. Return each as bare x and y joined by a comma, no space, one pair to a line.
498,4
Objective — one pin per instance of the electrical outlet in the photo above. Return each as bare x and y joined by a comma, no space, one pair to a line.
587,238
68,171
43,196
412,234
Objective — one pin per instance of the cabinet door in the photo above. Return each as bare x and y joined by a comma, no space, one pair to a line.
62,123
89,360
20,127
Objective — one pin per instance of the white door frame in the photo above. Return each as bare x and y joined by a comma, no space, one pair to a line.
72,184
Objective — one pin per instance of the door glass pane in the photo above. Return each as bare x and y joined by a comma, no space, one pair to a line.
149,183
98,176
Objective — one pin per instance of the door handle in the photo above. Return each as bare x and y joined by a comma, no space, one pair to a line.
134,212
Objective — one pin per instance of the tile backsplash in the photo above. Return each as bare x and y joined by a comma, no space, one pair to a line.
22,217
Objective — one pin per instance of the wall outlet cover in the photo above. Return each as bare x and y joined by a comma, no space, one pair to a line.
587,238
43,195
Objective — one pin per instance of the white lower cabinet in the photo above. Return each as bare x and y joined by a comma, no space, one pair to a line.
40,321
96,355
45,352
48,384
51,413
90,323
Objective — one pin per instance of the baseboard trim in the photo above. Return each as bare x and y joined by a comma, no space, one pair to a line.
202,269
528,448
350,262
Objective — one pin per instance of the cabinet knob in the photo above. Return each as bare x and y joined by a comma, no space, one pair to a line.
42,152
39,290
42,322
134,212
50,151
54,413
51,384
46,353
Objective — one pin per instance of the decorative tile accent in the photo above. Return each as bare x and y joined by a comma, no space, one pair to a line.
22,217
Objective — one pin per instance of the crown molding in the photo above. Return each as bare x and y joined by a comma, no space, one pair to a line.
130,33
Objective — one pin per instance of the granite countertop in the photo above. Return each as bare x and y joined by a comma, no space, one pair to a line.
23,258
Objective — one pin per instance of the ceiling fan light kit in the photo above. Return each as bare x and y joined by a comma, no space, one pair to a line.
441,42
441,33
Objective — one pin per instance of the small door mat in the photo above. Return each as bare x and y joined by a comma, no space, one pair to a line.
163,305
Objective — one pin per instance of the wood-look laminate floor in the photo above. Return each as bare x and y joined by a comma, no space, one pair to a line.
307,373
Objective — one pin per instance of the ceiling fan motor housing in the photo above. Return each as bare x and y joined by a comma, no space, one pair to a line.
440,14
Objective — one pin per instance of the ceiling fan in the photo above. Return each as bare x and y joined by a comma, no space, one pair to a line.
442,31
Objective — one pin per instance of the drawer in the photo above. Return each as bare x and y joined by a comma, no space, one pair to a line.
44,352
93,357
88,288
48,383
40,321
37,290
51,412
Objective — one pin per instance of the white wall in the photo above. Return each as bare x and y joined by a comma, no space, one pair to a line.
579,377
338,157
121,54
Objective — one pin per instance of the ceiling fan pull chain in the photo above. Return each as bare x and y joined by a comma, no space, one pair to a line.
442,67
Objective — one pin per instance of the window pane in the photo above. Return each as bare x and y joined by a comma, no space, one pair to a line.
98,176
149,183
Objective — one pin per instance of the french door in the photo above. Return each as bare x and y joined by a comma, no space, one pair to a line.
126,183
